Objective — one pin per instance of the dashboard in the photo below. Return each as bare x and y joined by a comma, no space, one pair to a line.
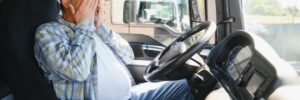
241,69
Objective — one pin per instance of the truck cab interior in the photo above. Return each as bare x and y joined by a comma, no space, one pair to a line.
226,49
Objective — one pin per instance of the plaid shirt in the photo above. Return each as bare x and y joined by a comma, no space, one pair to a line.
66,53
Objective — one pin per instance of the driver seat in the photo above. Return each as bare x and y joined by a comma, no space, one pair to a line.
19,71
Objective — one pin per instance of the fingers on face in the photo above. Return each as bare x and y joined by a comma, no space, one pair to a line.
72,8
92,5
83,4
95,4
88,5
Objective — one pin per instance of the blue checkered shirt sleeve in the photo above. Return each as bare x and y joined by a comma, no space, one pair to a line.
69,58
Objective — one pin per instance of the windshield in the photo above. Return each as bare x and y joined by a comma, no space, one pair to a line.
154,11
152,17
173,13
278,22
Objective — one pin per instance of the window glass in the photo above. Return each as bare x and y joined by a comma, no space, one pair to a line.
198,12
278,22
174,17
164,20
173,13
156,11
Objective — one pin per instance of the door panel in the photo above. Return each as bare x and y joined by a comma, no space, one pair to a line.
145,49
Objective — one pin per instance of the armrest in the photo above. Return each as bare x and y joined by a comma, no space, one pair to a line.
153,47
146,51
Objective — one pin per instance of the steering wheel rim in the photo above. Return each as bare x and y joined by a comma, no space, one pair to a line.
161,70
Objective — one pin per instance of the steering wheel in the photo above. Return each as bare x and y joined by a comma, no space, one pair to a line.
170,63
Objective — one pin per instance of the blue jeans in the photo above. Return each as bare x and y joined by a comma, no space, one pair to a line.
167,90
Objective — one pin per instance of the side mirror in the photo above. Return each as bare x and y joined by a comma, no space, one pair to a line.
128,12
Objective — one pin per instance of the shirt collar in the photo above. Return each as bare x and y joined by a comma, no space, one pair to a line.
69,24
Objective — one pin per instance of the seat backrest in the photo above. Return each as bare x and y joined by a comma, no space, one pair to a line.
18,22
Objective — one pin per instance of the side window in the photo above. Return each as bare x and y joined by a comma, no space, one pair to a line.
278,23
198,15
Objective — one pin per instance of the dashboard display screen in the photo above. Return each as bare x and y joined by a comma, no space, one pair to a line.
254,83
238,58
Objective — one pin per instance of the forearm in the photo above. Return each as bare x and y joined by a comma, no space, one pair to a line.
68,58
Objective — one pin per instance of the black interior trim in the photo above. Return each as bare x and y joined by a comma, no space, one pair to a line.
18,21
4,91
140,38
